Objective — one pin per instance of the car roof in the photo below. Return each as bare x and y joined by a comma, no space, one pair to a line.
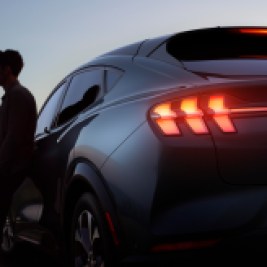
145,47
190,39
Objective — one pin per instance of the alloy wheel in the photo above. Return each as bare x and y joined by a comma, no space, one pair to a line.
88,251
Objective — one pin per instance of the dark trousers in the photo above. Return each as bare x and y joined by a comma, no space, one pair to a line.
8,186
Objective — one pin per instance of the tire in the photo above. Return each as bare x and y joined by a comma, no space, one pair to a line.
8,242
90,241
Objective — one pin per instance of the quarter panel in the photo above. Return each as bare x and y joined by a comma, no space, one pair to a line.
111,127
131,175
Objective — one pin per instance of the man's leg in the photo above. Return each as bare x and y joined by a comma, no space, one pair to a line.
8,186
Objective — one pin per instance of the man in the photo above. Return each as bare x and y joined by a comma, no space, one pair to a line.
18,115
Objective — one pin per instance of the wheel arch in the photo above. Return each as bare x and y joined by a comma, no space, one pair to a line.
84,177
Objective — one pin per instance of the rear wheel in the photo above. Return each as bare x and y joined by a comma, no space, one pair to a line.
90,241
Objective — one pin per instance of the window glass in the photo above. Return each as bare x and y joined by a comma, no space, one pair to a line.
218,43
48,112
112,77
161,54
83,91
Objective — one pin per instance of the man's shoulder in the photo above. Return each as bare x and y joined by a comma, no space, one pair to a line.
19,87
20,90
20,93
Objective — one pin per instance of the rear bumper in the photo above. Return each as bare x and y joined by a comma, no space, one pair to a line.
241,248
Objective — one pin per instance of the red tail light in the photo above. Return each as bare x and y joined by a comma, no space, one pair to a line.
168,115
221,114
165,117
193,115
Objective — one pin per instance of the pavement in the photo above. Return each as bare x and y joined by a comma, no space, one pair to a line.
27,255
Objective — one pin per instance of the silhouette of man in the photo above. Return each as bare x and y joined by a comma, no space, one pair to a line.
18,115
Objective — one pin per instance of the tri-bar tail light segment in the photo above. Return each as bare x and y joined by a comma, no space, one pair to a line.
167,115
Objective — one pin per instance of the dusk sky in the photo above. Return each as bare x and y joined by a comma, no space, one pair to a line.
56,36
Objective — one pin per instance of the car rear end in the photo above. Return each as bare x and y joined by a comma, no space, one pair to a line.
194,173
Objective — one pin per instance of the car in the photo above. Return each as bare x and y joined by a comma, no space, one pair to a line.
153,149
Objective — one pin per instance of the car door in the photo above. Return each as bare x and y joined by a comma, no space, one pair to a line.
56,138
46,150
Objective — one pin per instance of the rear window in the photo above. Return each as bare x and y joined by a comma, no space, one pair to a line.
219,43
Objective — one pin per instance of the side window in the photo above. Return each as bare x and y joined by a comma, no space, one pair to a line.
48,112
111,78
83,91
162,54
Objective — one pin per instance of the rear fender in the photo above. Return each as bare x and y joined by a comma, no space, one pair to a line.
84,177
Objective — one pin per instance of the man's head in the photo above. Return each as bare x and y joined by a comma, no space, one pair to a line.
11,64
